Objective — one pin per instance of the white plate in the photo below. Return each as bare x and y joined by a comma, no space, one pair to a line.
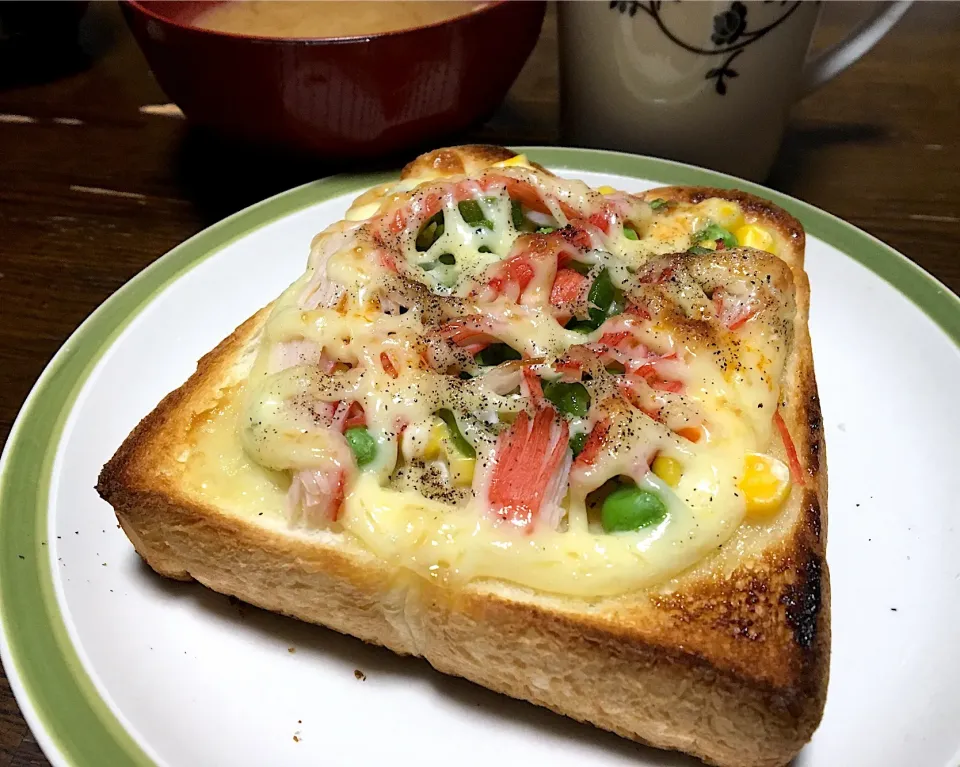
114,665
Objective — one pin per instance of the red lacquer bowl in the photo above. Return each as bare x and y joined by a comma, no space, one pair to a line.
338,97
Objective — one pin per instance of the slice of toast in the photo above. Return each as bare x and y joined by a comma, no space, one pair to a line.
728,661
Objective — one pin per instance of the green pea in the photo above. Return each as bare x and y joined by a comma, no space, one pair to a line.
456,437
630,508
629,233
546,229
577,441
448,259
713,232
496,354
570,398
431,232
472,213
363,445
658,203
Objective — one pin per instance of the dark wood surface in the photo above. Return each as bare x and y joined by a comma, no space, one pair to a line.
92,188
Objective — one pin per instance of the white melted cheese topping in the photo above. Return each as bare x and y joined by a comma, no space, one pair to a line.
327,338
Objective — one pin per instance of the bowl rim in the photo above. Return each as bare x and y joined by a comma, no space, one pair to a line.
486,7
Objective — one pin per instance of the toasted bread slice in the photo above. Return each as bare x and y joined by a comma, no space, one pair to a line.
728,661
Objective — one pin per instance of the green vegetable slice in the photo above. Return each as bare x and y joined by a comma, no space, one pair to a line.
629,233
606,299
362,443
456,437
658,203
472,213
713,232
431,232
495,354
516,213
631,508
570,398
602,291
577,442
580,267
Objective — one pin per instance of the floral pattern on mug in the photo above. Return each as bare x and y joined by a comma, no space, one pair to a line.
730,33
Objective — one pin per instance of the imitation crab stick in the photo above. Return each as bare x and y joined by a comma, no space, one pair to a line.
528,476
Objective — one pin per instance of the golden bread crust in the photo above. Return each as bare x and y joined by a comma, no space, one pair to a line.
727,662
466,159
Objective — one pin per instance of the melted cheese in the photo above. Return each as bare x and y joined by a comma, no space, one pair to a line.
244,454
218,469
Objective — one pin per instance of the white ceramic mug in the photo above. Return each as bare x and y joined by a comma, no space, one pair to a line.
708,83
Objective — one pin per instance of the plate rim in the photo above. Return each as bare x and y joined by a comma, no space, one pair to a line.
72,723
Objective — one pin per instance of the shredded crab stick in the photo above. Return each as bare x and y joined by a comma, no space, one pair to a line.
531,388
316,494
473,334
660,372
796,470
530,270
593,445
734,311
570,288
527,477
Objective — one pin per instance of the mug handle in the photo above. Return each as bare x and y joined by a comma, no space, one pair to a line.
861,39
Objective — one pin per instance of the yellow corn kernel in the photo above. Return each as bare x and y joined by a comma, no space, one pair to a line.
520,159
753,236
461,467
727,214
765,483
606,189
436,443
708,244
668,469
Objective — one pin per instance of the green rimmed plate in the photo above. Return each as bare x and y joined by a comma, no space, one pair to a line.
114,666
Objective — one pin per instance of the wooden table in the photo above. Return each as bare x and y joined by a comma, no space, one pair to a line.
93,188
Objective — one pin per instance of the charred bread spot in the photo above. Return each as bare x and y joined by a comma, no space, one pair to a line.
814,430
802,602
813,519
738,622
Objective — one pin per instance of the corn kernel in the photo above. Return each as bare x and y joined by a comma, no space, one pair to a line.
461,468
765,483
727,214
753,236
708,244
668,469
520,159
606,189
436,442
